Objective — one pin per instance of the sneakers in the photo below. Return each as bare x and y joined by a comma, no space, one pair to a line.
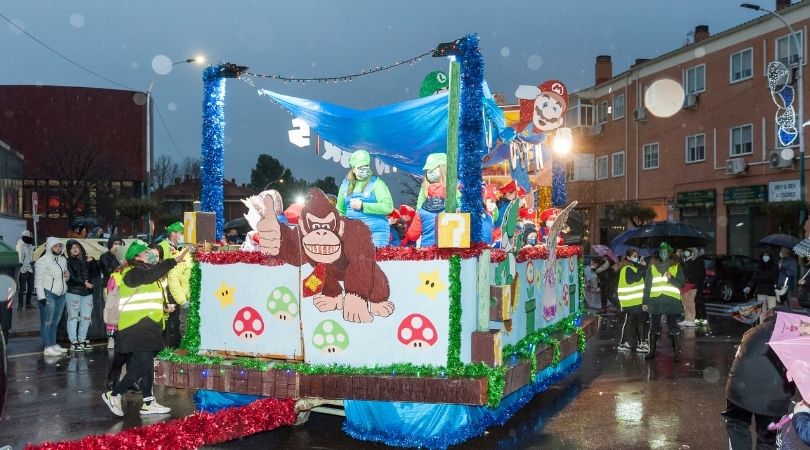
52,351
77,347
702,322
154,407
643,347
86,346
60,349
113,402
687,323
624,347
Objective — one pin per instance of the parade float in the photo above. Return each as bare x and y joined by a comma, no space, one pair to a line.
423,347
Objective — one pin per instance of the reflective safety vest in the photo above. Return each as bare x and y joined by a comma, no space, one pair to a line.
630,294
660,285
139,302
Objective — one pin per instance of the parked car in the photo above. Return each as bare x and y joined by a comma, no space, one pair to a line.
727,276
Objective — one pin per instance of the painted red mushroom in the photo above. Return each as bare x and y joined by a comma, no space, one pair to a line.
417,331
248,323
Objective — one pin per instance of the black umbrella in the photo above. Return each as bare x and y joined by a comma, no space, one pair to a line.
780,240
677,234
803,248
239,222
87,222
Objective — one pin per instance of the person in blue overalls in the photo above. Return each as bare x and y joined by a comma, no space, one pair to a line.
365,197
432,195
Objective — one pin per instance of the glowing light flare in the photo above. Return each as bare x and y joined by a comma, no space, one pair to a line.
563,141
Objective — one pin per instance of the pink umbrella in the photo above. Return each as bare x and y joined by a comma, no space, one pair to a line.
791,342
604,250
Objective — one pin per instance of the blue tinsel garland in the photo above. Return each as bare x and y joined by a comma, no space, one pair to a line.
559,196
498,416
471,144
212,163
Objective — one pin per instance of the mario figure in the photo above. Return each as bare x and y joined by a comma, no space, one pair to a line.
542,108
547,219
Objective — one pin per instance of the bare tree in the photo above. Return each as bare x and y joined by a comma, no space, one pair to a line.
164,172
80,175
189,168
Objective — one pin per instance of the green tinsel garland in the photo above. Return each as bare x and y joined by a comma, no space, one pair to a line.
454,340
583,339
191,340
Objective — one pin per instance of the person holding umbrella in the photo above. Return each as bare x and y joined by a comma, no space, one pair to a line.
631,292
662,297
788,272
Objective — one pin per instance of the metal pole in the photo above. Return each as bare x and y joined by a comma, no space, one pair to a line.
800,116
148,180
451,202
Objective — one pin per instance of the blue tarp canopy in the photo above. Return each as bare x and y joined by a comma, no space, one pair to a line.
400,134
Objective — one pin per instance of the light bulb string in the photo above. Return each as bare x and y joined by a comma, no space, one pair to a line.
348,77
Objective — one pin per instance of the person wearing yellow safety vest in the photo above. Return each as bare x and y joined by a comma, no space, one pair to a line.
631,294
140,324
178,287
662,297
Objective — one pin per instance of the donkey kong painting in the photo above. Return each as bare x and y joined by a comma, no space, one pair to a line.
343,246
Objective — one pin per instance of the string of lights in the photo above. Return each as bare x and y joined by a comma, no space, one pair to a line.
349,77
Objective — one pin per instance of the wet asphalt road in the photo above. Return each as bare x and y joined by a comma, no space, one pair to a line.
615,401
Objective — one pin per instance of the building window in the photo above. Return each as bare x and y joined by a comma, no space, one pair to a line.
742,65
618,107
696,79
651,156
580,114
696,148
618,164
601,113
786,45
601,167
742,141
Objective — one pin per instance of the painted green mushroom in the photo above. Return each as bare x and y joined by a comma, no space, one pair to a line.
330,337
283,303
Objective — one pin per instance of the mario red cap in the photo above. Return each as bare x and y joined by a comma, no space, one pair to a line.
545,215
521,192
555,88
394,214
405,210
490,192
511,186
527,213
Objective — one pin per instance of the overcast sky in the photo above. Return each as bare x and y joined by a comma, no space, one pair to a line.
523,42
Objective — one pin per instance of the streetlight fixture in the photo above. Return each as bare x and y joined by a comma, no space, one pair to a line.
150,139
800,115
280,180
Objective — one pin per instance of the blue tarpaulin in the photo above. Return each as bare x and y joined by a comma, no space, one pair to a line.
400,134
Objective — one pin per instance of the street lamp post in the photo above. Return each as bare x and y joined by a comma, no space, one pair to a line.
150,141
800,88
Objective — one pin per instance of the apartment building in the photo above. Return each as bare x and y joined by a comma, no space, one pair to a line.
717,162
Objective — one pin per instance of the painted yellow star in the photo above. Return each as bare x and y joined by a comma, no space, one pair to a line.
225,295
430,284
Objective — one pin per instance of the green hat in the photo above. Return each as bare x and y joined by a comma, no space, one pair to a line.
433,82
665,246
359,158
136,248
435,160
176,227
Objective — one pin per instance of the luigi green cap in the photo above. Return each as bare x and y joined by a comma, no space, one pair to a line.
665,246
435,160
433,82
135,249
359,158
176,227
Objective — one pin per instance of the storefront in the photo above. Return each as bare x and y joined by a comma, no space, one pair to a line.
747,222
698,208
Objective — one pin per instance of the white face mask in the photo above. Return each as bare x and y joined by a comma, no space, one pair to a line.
635,259
766,258
432,175
362,173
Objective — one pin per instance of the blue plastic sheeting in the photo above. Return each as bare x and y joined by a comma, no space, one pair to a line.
213,401
438,426
401,134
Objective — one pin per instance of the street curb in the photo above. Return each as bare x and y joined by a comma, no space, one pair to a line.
23,333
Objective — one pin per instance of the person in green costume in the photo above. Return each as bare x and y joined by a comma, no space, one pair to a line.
365,197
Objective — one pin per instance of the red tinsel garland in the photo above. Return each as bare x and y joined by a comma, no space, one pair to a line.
400,254
191,432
